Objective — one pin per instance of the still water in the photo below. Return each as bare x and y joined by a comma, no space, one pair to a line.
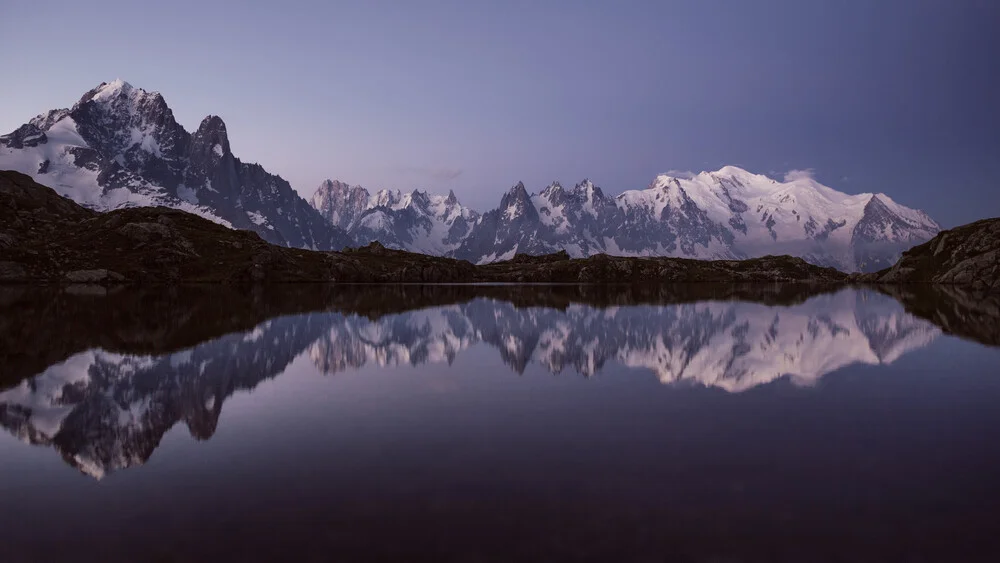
498,424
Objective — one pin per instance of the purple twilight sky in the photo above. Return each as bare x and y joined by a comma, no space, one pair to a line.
898,96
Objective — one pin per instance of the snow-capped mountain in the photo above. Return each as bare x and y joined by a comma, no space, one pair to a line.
120,146
104,411
726,214
415,221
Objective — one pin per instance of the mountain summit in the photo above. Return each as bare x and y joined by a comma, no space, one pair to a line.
120,146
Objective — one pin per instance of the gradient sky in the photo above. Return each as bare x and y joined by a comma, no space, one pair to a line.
897,96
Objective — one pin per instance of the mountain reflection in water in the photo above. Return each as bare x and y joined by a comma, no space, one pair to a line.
102,378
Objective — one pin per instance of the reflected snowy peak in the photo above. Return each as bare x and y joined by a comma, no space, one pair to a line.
104,411
727,344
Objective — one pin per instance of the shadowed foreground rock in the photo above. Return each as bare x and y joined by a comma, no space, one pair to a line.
968,256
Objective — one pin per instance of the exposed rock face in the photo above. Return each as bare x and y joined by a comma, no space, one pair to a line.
119,147
340,203
967,255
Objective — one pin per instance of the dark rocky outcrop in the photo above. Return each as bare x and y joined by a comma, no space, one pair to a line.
967,256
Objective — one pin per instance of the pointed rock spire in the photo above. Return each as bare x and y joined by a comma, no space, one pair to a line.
211,135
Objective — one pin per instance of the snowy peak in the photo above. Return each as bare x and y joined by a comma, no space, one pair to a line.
120,101
339,203
587,189
387,198
883,225
417,199
905,221
737,174
120,146
551,190
518,191
516,203
416,221
111,92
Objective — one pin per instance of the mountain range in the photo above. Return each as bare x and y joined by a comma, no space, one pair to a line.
104,411
120,146
727,214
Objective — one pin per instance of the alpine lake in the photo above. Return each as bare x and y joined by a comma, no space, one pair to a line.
499,423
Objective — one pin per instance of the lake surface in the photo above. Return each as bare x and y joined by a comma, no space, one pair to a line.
498,424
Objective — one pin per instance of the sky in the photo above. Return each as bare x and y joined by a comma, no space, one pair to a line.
894,96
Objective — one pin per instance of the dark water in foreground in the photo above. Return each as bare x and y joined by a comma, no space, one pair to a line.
498,424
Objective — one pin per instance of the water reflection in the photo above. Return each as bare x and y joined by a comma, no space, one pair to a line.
145,364
698,423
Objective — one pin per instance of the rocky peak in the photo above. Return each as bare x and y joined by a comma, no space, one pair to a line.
515,195
47,119
419,199
451,199
335,192
120,101
212,135
115,118
517,203
589,191
334,186
387,198
517,191
551,190
107,91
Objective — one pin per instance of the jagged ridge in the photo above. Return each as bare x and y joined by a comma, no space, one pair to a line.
726,214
